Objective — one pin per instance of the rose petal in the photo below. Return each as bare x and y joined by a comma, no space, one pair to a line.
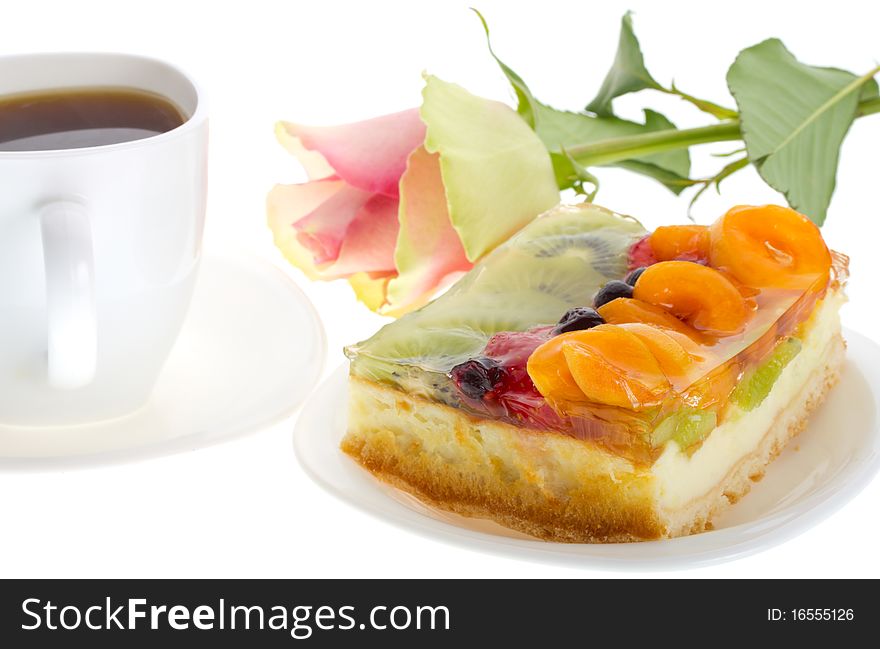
322,230
370,155
314,163
497,172
289,203
329,229
370,240
370,289
429,250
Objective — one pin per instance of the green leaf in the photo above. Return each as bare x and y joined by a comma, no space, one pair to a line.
627,74
571,174
869,91
729,154
869,99
559,130
562,130
672,181
705,105
678,162
794,118
497,174
728,170
524,99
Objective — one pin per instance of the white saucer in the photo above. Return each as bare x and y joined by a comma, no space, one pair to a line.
820,471
251,350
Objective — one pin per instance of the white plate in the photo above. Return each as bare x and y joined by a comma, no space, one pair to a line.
251,350
819,472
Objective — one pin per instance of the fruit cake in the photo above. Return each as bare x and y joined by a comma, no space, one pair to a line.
589,381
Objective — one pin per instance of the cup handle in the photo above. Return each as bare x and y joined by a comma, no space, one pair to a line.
70,294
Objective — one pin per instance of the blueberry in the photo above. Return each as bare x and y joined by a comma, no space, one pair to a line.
477,376
611,291
633,277
577,319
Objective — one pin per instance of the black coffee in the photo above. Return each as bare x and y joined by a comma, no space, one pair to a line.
73,118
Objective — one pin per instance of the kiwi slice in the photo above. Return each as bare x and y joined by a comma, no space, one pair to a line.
686,427
557,262
559,278
754,387
603,241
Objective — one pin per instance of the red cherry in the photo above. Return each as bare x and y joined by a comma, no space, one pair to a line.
641,253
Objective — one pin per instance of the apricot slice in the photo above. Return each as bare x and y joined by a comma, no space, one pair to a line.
769,246
613,366
606,365
624,310
549,372
699,295
666,346
686,242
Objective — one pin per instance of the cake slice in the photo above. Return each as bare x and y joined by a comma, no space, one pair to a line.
591,382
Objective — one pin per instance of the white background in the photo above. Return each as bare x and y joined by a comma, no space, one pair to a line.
244,508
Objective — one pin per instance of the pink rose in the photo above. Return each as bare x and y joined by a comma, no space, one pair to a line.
399,205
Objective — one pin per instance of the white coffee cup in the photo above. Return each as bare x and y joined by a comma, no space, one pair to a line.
99,249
